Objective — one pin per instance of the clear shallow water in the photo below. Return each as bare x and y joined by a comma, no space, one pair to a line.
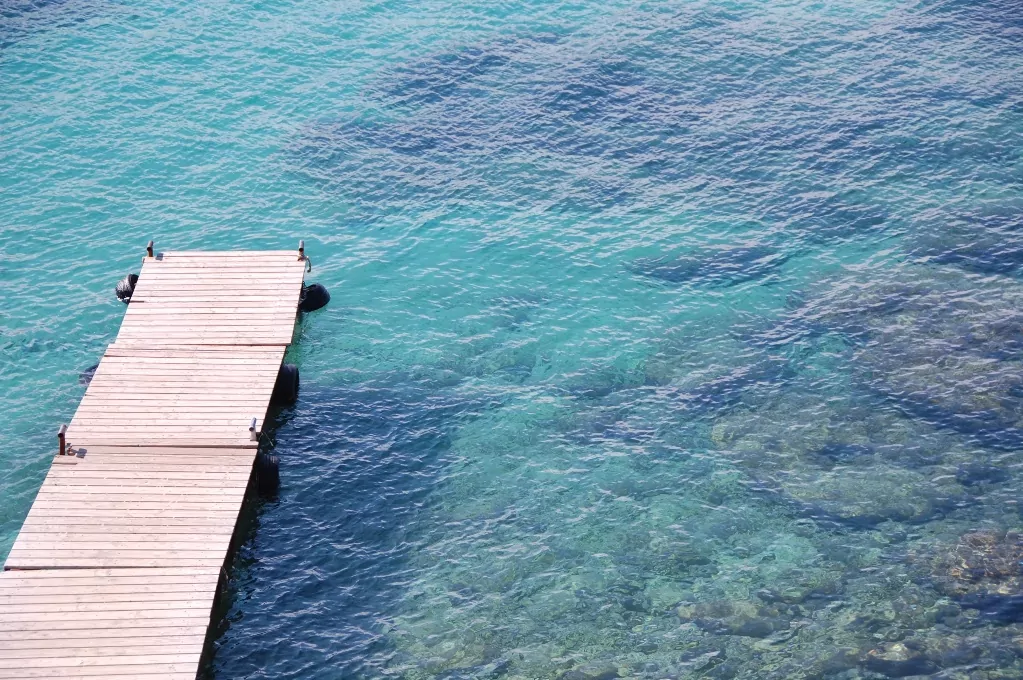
667,340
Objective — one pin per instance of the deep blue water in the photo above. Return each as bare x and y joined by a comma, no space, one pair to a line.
668,340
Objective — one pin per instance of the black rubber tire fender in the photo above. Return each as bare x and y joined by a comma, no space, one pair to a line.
286,388
268,473
126,288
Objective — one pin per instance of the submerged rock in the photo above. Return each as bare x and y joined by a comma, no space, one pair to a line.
896,660
942,346
868,497
740,618
981,563
839,459
592,672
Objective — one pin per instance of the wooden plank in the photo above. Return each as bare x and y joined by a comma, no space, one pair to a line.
114,475
145,442
185,351
243,375
96,541
178,508
196,271
86,524
42,637
148,400
158,451
207,334
254,263
149,417
191,349
124,647
181,493
193,365
50,560
219,255
194,373
232,342
214,268
57,663
140,458
160,671
66,590
106,410
163,512
160,486
30,647
283,290
176,357
285,312
114,574
132,623
157,321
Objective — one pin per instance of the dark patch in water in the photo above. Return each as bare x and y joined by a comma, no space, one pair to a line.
485,671
988,241
996,608
901,668
978,473
85,377
715,267
844,451
442,75
447,75
18,18
357,464
598,91
825,216
991,18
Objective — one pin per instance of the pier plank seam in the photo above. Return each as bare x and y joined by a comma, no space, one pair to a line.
118,563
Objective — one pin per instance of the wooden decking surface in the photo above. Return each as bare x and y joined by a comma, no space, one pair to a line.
105,623
177,396
115,570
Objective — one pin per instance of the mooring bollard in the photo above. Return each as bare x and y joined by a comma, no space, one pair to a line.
62,439
149,249
302,256
253,435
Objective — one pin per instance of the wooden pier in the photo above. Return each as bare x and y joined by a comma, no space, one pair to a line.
116,568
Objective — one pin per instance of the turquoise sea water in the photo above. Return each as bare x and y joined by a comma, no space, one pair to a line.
668,340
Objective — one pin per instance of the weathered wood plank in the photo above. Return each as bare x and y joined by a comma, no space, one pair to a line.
118,647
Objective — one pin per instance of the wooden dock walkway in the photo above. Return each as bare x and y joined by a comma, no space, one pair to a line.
115,571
